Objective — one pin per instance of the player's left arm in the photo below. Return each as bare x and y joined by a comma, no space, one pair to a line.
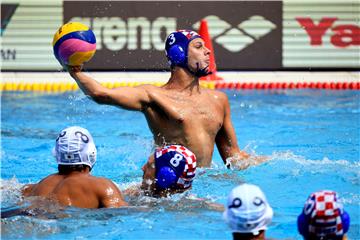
227,145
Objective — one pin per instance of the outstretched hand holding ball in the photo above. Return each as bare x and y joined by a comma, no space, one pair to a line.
74,43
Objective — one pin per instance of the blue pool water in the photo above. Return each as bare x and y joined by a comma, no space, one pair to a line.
312,137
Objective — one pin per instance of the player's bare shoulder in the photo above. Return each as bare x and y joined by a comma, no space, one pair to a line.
102,182
217,96
152,90
55,177
157,94
149,88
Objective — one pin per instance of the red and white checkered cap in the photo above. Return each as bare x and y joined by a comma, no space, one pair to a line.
189,34
185,180
325,213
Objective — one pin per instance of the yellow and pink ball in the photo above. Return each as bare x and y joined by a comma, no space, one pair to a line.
74,43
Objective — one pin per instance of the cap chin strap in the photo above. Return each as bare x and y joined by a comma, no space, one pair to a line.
200,72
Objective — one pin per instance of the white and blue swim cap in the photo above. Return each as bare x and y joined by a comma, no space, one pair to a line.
175,167
247,210
75,146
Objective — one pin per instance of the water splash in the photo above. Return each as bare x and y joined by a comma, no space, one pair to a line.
10,192
20,227
289,155
350,199
186,201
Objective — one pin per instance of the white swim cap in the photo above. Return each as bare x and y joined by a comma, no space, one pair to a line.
75,146
247,210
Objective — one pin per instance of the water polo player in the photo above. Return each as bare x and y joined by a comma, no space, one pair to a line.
323,217
181,111
248,213
169,170
73,185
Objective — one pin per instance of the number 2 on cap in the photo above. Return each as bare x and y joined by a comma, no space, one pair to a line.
175,161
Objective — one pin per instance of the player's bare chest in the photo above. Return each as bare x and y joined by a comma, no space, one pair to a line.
203,113
197,109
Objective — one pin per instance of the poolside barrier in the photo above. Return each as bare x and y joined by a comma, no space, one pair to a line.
62,82
64,87
286,85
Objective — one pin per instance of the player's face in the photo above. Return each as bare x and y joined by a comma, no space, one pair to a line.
198,55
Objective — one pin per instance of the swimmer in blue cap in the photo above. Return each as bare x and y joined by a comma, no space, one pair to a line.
180,111
170,170
323,217
179,52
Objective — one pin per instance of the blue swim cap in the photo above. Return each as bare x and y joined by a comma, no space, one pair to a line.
175,167
176,47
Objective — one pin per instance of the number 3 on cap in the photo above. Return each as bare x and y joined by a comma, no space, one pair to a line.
175,161
172,39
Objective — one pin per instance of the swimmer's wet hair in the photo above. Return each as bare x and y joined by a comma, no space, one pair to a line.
66,169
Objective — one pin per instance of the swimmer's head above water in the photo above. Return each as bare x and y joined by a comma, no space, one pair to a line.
248,212
186,49
171,169
323,217
74,148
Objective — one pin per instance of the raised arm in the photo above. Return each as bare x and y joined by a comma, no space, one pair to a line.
110,194
132,98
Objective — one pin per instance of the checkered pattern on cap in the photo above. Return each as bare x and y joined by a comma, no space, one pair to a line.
325,213
188,175
189,34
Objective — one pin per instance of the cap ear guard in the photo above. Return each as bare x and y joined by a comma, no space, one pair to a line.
176,55
169,168
91,156
166,177
303,223
345,220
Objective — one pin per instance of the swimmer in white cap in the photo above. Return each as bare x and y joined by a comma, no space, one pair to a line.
181,111
73,185
247,212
